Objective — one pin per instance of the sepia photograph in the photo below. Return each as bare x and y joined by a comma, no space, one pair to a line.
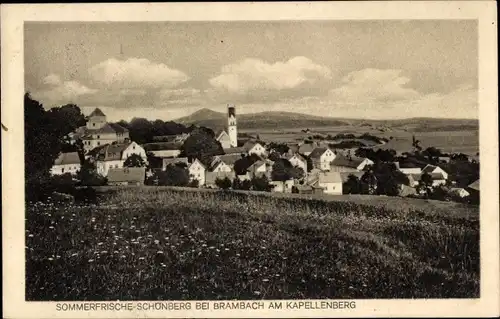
240,161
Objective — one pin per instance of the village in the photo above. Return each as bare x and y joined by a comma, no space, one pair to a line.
310,167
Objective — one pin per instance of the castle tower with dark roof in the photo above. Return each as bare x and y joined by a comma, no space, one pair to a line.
96,119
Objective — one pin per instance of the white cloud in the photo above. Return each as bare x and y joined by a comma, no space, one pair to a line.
60,91
176,93
52,79
254,74
374,85
136,73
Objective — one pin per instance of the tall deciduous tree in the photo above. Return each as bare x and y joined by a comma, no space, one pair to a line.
201,145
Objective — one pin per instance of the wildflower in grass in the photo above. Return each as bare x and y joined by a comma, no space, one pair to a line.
123,256
238,255
256,293
50,258
51,227
159,252
74,255
211,247
57,256
265,280
91,260
99,243
30,235
104,252
156,241
141,258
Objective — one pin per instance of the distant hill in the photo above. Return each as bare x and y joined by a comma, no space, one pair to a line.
217,120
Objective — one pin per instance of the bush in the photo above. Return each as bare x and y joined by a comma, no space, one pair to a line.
223,183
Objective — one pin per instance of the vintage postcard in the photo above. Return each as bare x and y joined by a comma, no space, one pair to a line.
220,160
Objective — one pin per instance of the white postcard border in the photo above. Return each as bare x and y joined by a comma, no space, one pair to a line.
12,19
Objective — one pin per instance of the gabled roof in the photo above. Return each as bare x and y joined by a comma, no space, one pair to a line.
249,144
109,152
197,160
329,177
171,161
67,158
353,162
258,164
289,156
220,133
306,148
234,150
317,152
106,128
229,159
118,128
215,162
474,186
97,112
127,174
429,168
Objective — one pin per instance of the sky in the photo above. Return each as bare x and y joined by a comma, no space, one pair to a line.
386,69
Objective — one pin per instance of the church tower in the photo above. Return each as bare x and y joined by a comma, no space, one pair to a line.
96,120
232,130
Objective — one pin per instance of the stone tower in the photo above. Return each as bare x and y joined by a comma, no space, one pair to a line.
232,130
96,120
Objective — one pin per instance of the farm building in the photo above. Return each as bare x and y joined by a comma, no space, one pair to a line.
343,163
126,176
223,138
253,147
309,189
458,191
197,171
322,157
66,163
437,179
306,148
173,161
405,190
211,177
282,186
235,150
429,169
164,149
114,155
297,160
474,188
218,165
331,182
408,168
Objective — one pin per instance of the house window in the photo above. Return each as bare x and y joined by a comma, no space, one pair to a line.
93,124
98,136
62,170
98,143
133,147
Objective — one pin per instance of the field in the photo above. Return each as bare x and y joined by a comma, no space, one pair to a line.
170,244
464,141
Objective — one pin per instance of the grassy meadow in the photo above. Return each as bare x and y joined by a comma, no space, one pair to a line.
150,243
457,141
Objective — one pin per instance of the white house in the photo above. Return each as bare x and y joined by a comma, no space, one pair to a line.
322,157
98,132
197,171
297,160
223,138
430,169
282,186
407,169
256,148
114,155
343,163
458,191
66,163
259,168
331,182
218,165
